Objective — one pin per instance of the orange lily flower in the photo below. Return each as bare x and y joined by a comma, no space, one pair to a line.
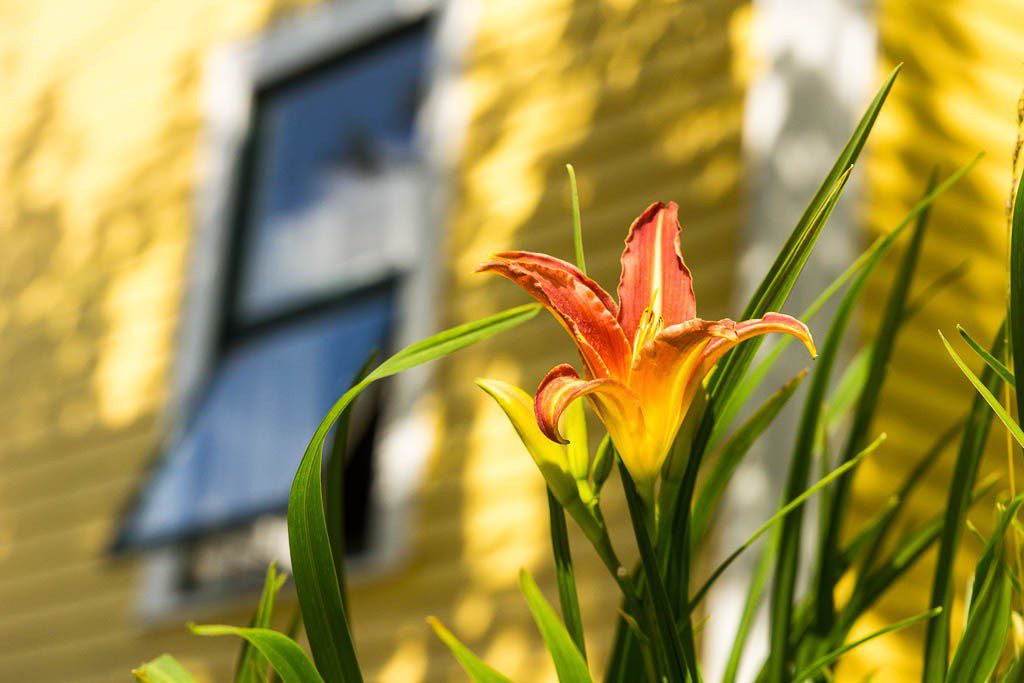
644,357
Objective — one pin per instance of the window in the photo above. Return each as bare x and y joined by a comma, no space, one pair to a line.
318,247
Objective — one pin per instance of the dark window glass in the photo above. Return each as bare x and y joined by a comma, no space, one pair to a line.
328,196
335,175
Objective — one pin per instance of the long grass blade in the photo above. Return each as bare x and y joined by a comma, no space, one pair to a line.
477,670
985,393
819,664
849,386
665,633
570,665
965,472
283,653
863,417
251,666
984,636
1015,312
577,226
781,514
787,562
334,485
722,384
988,358
316,581
755,595
739,396
993,552
732,453
798,246
565,576
770,295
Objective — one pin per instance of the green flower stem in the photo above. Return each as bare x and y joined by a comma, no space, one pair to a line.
568,598
659,609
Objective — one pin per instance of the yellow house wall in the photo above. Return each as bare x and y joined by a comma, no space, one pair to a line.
956,96
98,148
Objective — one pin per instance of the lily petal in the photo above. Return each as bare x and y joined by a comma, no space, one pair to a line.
612,400
586,311
665,373
771,322
653,272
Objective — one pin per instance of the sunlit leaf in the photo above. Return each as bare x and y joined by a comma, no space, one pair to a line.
316,580
569,663
989,359
785,510
863,416
476,668
819,664
965,472
163,669
984,636
732,453
251,666
1015,311
283,653
986,393
564,575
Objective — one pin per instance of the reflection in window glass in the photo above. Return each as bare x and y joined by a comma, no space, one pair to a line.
328,211
335,179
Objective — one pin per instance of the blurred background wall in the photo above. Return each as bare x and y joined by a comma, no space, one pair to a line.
104,152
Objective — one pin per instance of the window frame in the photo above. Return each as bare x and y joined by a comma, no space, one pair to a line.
233,77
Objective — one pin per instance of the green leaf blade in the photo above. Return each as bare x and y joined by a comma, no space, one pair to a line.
283,653
733,452
826,660
251,665
316,577
987,357
570,665
1015,312
163,669
986,393
863,417
965,472
564,574
475,668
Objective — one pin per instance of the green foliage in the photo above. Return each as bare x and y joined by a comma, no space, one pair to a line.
989,613
660,602
283,653
252,665
965,473
163,669
819,665
569,662
732,453
476,668
316,581
1015,305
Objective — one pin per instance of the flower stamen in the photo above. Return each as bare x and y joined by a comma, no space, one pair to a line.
651,324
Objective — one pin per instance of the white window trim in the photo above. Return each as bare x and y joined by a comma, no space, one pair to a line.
232,76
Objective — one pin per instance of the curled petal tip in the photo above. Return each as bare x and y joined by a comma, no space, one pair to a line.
811,349
487,264
550,430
